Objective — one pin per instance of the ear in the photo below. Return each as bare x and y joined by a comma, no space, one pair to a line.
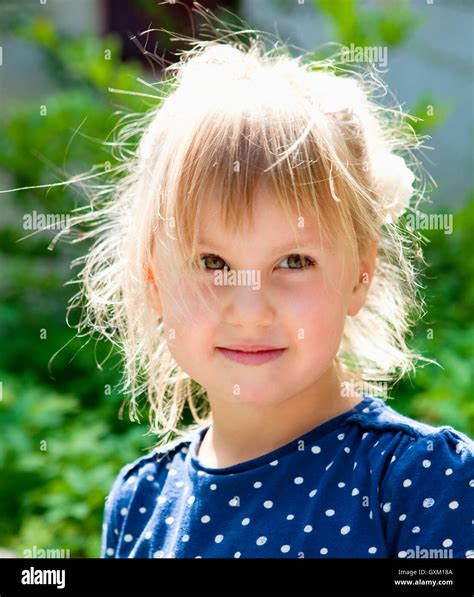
366,271
154,291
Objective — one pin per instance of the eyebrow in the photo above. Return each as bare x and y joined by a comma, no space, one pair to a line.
280,248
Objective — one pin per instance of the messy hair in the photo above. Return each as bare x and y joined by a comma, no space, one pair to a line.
229,114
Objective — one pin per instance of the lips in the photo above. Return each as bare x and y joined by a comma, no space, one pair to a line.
256,354
250,347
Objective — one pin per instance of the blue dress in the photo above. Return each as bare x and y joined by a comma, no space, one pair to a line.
368,483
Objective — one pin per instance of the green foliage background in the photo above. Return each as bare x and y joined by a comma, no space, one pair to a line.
62,443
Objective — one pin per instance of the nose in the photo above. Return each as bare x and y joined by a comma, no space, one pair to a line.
247,306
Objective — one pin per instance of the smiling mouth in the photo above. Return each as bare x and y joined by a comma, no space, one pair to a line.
253,355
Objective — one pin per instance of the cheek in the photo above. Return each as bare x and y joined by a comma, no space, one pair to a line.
190,328
317,313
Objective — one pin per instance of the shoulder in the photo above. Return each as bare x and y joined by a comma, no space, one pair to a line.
150,467
410,441
408,448
426,483
377,414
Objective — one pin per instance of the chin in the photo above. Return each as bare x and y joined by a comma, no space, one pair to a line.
255,396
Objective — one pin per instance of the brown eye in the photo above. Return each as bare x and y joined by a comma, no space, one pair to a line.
213,262
296,261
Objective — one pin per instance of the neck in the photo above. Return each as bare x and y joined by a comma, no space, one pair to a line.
242,432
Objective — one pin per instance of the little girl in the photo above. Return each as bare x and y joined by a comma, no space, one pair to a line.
253,269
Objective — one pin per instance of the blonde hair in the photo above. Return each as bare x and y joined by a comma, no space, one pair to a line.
232,113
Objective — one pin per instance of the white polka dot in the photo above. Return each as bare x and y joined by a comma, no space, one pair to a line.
415,530
364,435
387,507
237,554
345,529
191,499
219,538
285,548
169,520
128,538
448,471
158,554
313,492
402,554
148,535
372,550
257,484
355,464
428,502
110,551
407,483
330,512
205,518
290,517
124,511
298,480
355,491
426,463
235,501
245,522
161,499
308,528
261,540
173,472
341,484
267,504
185,538
181,483
365,410
402,517
213,487
471,483
347,450
142,510
150,478
315,449
274,463
323,550
453,505
447,542
341,436
393,459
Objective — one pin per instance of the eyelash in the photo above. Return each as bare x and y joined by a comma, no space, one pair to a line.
311,264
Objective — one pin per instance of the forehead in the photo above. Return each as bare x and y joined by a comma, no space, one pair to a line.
268,224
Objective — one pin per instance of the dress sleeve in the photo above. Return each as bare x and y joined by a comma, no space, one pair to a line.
116,501
426,500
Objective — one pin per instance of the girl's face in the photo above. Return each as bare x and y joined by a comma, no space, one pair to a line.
296,305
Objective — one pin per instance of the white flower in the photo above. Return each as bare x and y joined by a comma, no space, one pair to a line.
394,181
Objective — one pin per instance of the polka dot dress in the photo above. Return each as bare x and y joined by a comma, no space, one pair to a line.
368,483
